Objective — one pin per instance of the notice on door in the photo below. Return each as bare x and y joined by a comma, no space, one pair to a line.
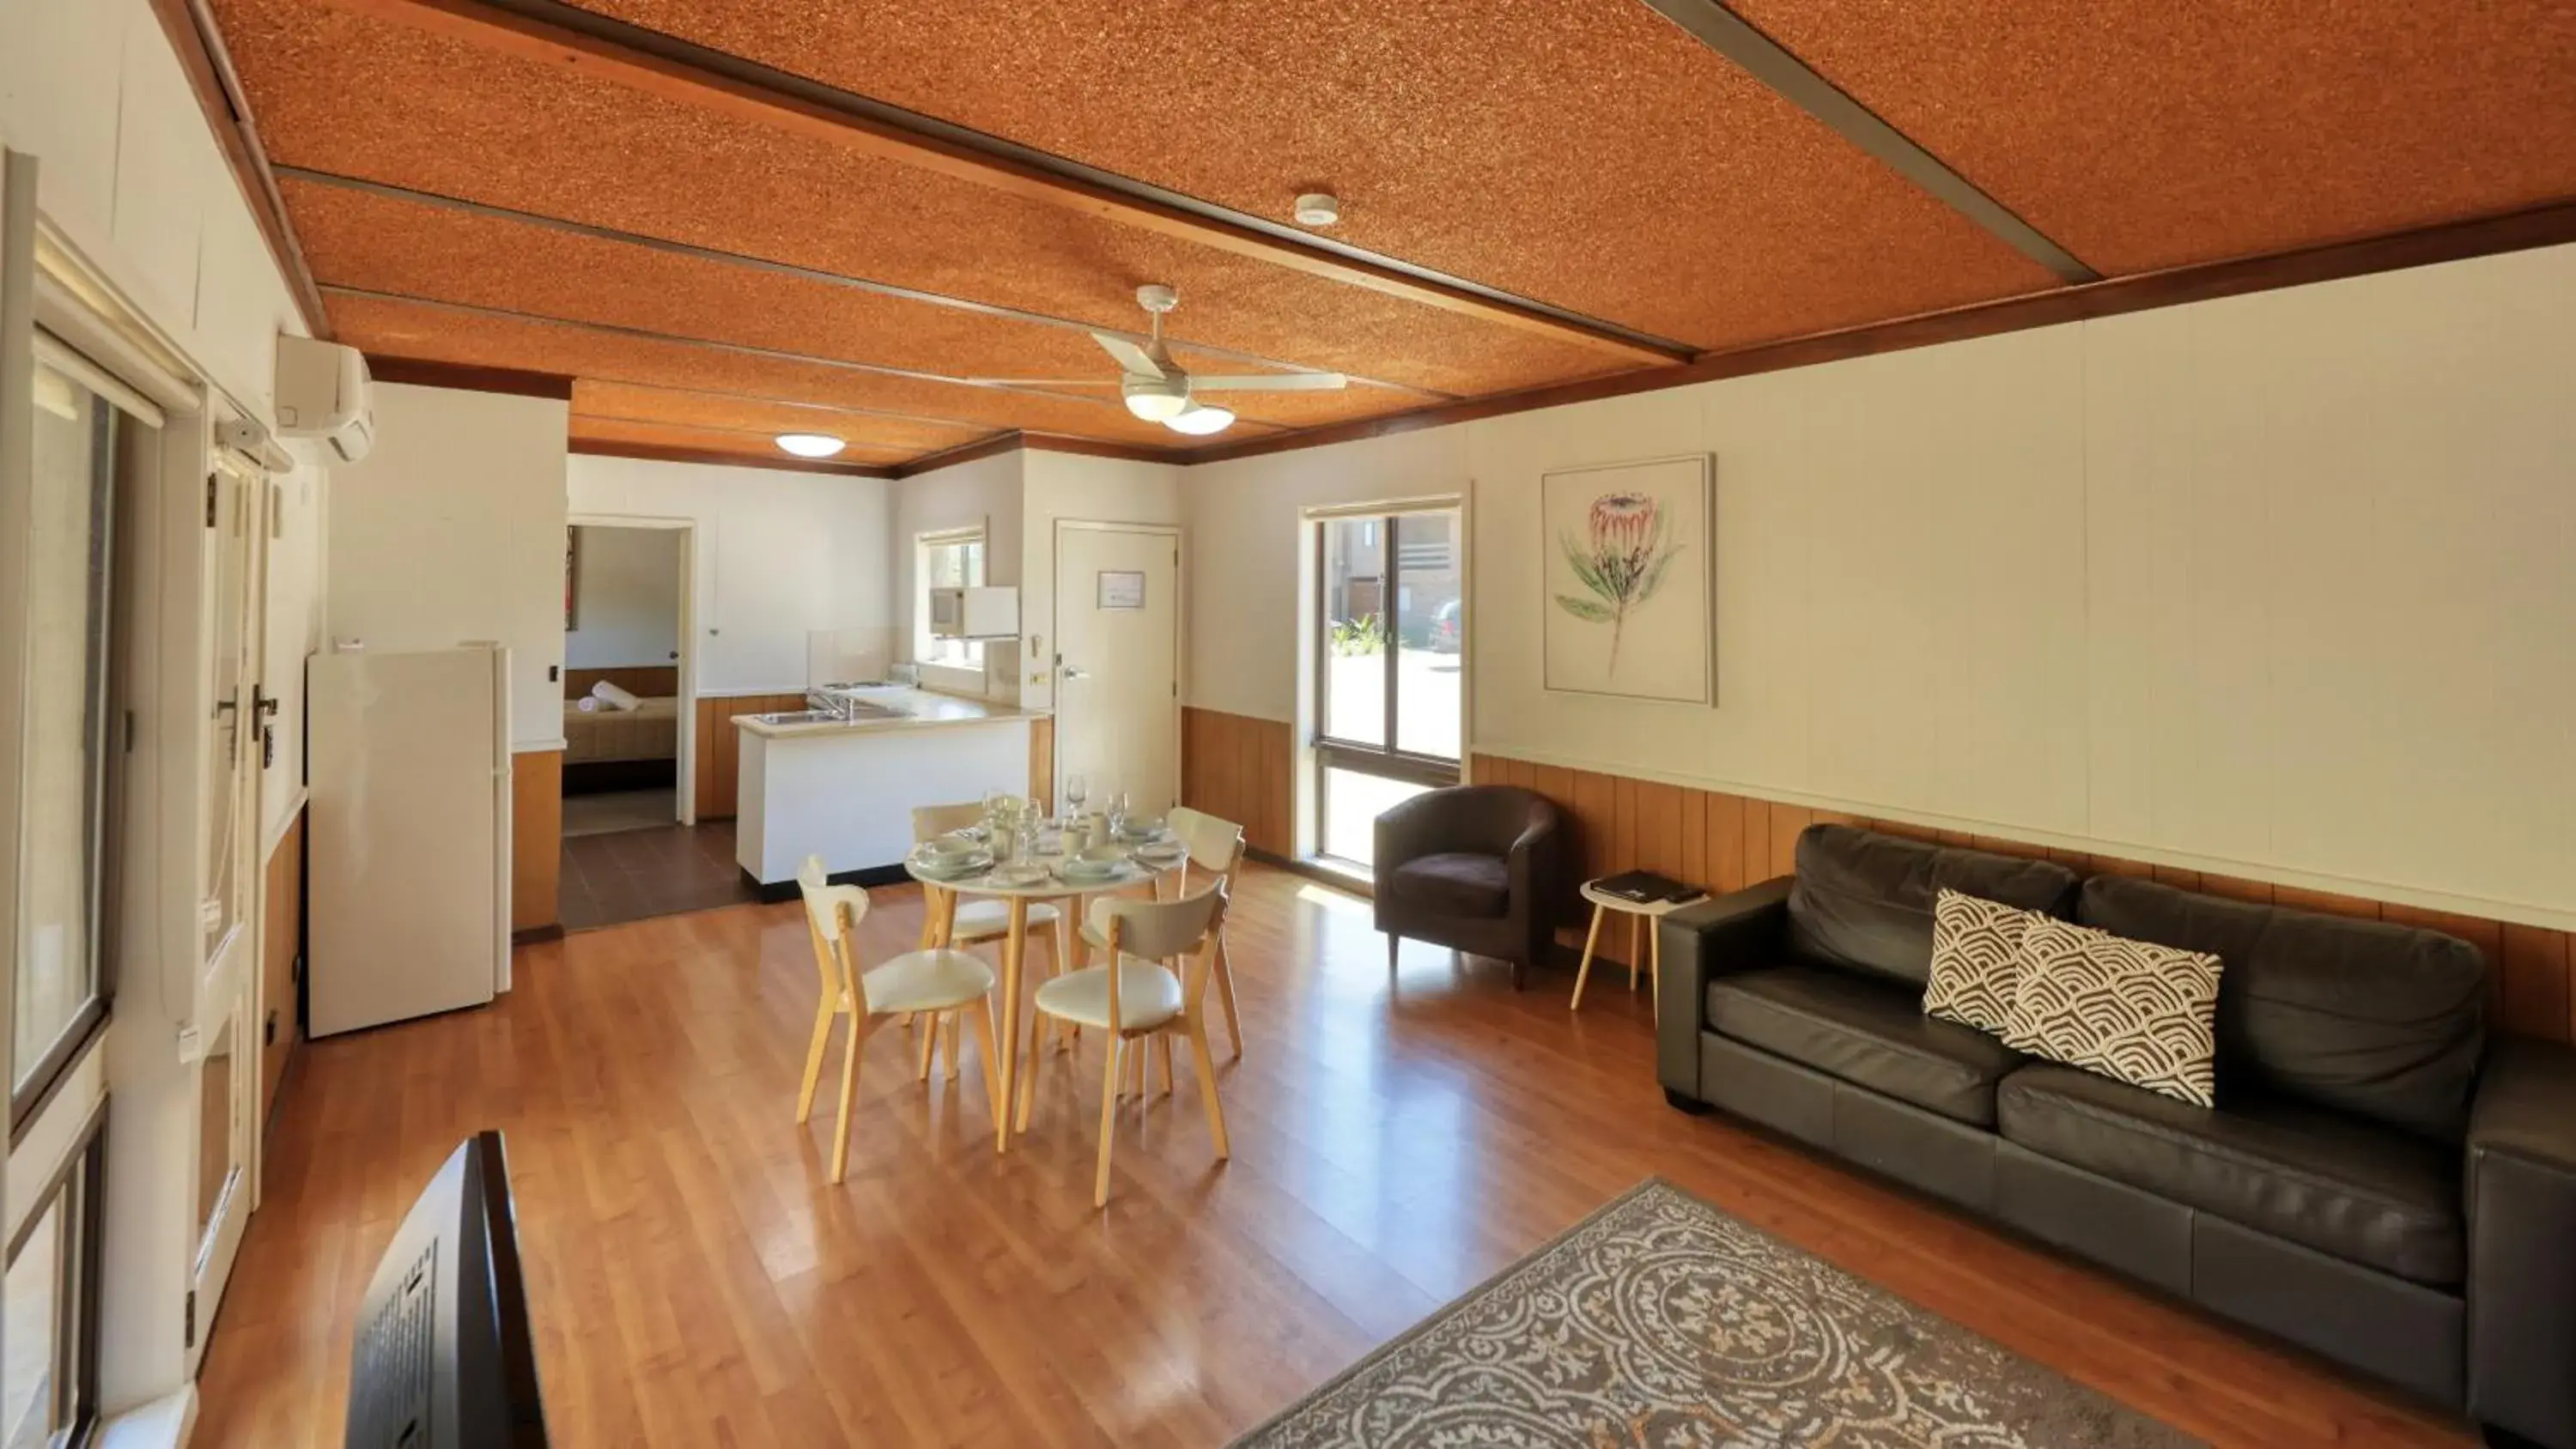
1120,589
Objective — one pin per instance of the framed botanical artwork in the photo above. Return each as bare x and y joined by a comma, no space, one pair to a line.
1629,574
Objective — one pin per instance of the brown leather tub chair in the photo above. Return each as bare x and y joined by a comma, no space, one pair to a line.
1474,868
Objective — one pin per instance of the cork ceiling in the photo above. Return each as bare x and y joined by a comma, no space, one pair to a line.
895,221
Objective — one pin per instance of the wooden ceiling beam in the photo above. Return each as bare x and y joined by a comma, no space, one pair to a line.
551,34
471,377
747,262
1766,60
657,453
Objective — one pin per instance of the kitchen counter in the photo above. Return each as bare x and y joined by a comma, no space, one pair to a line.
883,709
845,788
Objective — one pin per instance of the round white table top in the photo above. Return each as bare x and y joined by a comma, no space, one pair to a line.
1636,908
1133,871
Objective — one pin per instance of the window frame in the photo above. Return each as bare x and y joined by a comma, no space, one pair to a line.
28,1096
80,1278
1385,760
927,649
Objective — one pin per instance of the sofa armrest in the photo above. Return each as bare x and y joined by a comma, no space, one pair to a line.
2521,1201
1724,933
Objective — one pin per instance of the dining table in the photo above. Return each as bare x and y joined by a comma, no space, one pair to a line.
1043,879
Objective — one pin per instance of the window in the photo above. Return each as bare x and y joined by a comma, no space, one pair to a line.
63,701
49,1381
1390,660
952,560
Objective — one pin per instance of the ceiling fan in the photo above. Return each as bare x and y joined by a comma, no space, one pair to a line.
1160,390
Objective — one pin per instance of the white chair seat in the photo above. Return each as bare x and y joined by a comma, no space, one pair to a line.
990,920
927,981
1148,996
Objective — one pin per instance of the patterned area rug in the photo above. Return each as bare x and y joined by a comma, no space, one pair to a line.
1661,1323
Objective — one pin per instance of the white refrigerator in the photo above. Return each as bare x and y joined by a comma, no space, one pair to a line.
410,874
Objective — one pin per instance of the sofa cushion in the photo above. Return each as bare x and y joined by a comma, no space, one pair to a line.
1455,884
2361,1192
1976,959
2367,1017
2134,1011
1870,1033
1864,899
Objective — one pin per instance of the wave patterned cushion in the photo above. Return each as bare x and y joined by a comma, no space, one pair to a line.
2129,1010
1976,959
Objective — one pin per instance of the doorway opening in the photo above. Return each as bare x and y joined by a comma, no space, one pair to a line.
1117,666
1387,634
624,711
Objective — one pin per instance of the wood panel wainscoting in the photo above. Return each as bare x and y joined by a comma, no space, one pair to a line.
281,943
1726,842
1236,767
653,681
720,746
536,840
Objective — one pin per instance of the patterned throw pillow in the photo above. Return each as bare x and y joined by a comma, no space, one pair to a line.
1976,959
2130,1010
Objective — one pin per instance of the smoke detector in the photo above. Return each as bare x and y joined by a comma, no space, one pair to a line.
1318,208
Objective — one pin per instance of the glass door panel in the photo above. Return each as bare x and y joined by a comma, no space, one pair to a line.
1429,636
1353,693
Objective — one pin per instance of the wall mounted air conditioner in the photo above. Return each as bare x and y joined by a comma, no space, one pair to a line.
324,393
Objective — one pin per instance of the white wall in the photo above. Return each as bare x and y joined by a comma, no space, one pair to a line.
778,555
1080,487
626,599
132,176
453,529
294,633
2280,585
988,491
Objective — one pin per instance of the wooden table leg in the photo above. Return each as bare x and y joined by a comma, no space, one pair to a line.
1015,949
1655,966
1584,972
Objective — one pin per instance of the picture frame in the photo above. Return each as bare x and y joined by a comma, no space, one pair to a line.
1628,579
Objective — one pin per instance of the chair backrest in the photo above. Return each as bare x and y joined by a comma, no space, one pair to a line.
929,822
1215,845
1159,930
832,913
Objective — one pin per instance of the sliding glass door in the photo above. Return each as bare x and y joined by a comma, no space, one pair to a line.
1390,652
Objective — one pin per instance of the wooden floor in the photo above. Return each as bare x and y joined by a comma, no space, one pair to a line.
627,875
695,1280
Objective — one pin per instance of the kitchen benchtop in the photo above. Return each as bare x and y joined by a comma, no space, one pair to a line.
881,710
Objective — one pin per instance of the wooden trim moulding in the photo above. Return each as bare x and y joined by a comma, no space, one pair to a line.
657,453
469,377
199,45
2540,226
553,34
1016,440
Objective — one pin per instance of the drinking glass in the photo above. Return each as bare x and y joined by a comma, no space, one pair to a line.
1117,812
1076,790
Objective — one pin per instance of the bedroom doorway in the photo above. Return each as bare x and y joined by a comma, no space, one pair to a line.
625,636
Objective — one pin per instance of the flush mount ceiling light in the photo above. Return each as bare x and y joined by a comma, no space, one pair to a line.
1199,419
810,445
1318,208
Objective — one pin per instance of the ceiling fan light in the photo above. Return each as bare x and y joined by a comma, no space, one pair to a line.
1155,406
810,445
1200,419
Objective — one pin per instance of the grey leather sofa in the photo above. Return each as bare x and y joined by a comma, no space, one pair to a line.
2380,1182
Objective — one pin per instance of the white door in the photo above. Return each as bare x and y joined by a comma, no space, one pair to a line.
228,900
1118,644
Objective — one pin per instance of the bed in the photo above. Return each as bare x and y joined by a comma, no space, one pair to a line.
621,749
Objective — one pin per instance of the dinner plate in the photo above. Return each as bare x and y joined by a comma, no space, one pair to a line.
952,867
1013,877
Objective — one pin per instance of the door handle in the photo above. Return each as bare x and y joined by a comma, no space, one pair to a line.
1072,671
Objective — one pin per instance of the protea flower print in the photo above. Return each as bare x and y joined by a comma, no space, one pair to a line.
1623,566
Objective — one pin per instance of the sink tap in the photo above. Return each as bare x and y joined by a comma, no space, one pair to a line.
824,701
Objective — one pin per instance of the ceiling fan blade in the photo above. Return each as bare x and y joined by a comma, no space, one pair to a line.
1272,382
1130,356
1094,381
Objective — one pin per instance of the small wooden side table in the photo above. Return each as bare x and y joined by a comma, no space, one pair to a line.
1641,918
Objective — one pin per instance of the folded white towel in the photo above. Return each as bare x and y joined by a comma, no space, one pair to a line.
614,697
586,704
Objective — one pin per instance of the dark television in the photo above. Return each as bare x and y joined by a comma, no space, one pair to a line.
443,1357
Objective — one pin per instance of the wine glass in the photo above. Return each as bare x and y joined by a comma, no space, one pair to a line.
1117,812
1076,790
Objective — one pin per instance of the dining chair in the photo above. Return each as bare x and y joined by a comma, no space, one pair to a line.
931,981
977,921
1215,848
1152,988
